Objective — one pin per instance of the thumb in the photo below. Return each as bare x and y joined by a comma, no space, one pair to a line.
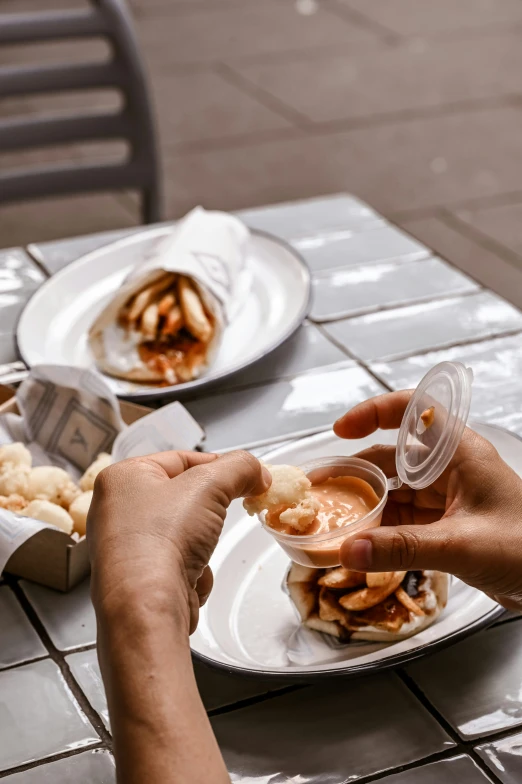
401,548
232,475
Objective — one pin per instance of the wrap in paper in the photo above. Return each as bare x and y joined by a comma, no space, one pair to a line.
209,249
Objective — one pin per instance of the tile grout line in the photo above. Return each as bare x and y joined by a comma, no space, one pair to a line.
416,764
269,101
18,665
37,263
507,198
317,130
467,745
52,758
412,114
350,355
446,347
426,702
480,238
477,32
411,685
397,305
256,699
46,655
244,140
363,22
59,659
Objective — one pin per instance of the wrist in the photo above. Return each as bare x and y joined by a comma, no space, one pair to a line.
142,605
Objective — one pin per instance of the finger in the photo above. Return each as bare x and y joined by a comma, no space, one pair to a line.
234,475
397,513
176,463
381,456
406,547
383,412
204,585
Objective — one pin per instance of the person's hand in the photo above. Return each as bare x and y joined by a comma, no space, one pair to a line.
467,523
154,523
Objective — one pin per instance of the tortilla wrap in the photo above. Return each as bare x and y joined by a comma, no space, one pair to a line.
166,322
388,615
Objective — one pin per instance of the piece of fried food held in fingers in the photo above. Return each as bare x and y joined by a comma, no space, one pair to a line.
288,500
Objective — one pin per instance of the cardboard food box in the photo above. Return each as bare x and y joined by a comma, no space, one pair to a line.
51,557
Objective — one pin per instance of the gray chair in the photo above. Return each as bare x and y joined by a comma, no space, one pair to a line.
134,123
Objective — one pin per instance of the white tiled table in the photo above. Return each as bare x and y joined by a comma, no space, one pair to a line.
384,310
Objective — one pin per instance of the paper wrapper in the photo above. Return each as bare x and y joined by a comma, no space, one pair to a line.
207,247
68,416
311,646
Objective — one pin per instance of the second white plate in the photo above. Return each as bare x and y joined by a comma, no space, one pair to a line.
249,625
54,325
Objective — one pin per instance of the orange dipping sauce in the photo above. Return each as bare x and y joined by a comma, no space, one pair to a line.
343,499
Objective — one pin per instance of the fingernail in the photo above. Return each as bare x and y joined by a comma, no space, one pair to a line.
267,476
360,555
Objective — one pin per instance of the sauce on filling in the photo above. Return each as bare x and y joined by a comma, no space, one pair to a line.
343,499
181,356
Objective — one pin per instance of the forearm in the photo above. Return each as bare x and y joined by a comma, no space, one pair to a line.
160,728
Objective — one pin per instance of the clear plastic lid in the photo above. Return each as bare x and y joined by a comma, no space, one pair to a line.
433,424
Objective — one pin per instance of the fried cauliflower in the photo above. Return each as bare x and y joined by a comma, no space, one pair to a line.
102,461
50,483
79,509
290,489
47,512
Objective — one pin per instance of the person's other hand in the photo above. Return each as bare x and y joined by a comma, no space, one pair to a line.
467,523
154,523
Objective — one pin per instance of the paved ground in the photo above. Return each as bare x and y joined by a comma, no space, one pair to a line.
412,105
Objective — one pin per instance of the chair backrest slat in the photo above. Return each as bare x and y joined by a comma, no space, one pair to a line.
21,134
69,179
51,26
59,78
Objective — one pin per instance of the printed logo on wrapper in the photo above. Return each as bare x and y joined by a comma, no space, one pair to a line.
81,434
209,247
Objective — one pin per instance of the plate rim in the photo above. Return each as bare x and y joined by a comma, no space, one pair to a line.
183,390
359,670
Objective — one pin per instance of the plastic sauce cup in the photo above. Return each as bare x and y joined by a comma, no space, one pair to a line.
322,550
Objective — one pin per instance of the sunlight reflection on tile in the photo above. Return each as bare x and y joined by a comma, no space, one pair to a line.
306,404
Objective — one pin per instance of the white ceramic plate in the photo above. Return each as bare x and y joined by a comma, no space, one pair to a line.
249,624
53,327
